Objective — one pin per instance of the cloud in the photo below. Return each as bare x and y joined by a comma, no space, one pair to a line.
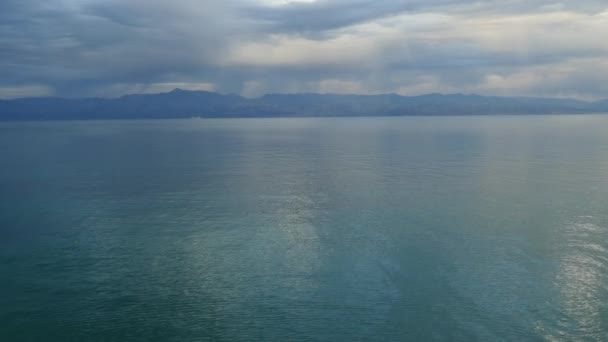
32,90
110,47
281,50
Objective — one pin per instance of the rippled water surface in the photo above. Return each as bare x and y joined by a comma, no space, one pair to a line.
370,229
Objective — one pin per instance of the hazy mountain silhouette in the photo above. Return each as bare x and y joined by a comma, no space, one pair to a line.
185,104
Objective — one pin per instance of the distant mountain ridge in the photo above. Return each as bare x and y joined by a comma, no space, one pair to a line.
185,104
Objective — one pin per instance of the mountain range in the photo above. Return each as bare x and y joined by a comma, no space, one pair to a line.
186,104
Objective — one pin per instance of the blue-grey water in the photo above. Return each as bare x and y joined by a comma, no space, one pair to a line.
350,229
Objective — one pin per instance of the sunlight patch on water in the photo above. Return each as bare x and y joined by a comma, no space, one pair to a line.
581,279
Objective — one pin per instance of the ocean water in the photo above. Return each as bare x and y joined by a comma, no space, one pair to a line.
348,229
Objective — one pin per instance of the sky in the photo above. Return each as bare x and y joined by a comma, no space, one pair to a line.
108,48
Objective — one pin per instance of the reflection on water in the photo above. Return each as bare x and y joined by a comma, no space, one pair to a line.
582,280
422,229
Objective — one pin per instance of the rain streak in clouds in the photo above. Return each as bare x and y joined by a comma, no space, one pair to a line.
108,48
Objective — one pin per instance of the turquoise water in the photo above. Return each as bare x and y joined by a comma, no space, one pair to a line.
351,229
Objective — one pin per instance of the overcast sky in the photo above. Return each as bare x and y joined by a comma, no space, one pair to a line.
108,48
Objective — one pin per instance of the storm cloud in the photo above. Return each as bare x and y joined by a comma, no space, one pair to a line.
108,48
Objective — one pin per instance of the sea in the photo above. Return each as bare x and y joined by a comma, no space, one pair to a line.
449,228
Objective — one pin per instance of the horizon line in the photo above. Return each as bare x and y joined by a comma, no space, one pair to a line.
175,90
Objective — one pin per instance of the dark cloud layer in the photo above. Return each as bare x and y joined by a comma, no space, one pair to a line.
111,47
